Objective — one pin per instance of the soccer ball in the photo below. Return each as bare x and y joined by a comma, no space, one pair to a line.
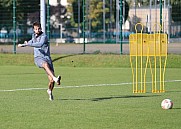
167,104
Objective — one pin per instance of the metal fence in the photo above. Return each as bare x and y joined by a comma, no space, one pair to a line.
89,21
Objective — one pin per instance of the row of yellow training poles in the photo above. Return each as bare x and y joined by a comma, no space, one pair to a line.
143,49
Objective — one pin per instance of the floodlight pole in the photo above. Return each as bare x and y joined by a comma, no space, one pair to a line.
169,19
48,21
42,15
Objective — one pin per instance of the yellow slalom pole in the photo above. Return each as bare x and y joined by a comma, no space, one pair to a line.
136,89
163,89
152,75
141,40
132,57
160,59
165,39
132,69
155,60
147,60
132,72
141,63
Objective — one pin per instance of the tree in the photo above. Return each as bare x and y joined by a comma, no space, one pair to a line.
94,12
6,19
176,10
23,9
76,13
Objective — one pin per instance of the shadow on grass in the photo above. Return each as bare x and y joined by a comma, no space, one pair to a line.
176,108
61,57
21,74
173,91
113,97
118,97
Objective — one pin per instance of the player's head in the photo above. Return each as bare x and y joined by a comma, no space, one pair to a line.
37,27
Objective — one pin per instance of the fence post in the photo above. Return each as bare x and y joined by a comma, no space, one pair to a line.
121,22
84,24
161,13
14,26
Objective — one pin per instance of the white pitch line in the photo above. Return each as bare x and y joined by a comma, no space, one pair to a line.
81,86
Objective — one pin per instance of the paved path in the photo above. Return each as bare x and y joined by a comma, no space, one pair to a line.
174,48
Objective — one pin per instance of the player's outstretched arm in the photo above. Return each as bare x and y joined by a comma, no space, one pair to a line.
23,45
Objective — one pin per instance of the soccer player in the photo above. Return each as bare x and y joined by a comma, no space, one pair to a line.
42,56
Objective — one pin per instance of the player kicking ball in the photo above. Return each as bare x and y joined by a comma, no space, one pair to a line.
42,56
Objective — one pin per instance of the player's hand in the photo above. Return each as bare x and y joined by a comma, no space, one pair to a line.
23,45
20,45
25,42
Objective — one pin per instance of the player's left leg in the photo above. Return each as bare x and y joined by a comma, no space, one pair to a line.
50,87
51,83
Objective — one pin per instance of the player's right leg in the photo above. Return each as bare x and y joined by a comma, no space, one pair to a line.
46,66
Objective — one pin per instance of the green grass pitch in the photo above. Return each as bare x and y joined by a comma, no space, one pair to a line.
88,98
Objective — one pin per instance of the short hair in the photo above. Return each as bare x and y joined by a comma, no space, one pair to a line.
37,24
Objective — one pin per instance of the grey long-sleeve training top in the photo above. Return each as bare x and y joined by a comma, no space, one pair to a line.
41,46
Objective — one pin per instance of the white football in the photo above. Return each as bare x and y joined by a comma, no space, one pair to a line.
167,104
